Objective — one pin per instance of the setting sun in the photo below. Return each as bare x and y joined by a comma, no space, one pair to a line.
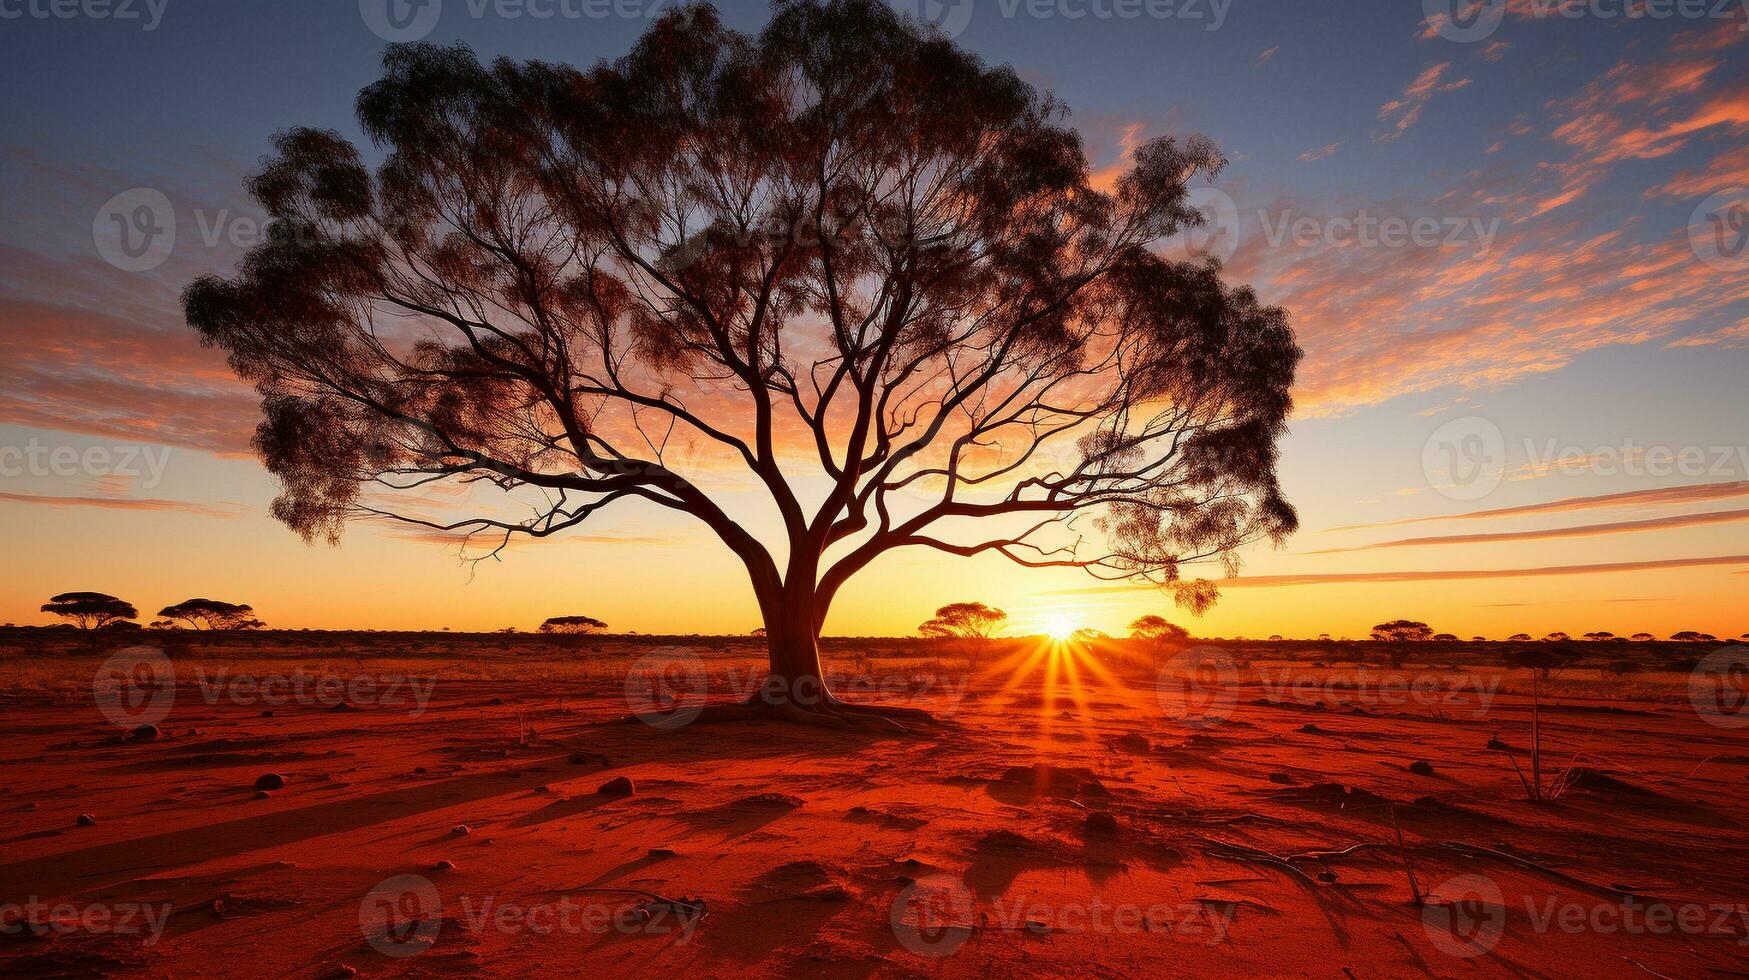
1059,627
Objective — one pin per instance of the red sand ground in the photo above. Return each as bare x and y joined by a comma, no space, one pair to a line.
1265,844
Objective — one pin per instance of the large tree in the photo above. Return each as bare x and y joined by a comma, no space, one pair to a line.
846,254
91,610
215,614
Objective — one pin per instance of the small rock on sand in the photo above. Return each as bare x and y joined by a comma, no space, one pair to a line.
86,820
270,780
617,786
444,865
1421,768
144,733
460,830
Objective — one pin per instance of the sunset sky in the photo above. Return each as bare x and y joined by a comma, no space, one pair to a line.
1530,417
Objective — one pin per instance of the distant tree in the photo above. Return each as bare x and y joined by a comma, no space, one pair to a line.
163,624
1446,637
845,228
1692,636
1396,634
970,623
1478,639
90,610
212,614
1402,631
1323,637
119,626
758,631
1519,638
1643,637
963,620
1156,629
573,625
1087,633
1599,636
1556,637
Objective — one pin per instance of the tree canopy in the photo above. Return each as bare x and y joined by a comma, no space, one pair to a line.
573,624
213,614
1402,631
963,620
90,610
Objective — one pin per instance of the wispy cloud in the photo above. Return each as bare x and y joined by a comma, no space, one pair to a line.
1405,111
1581,531
127,503
1435,575
1734,337
1263,59
1320,153
1662,497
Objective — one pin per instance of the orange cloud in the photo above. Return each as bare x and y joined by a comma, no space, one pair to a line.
1665,496
127,503
1581,531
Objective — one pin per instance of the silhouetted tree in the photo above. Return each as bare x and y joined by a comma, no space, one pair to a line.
963,620
1556,637
1396,634
1160,636
1445,637
1402,631
212,614
845,238
573,625
1692,636
1519,638
1599,636
1478,639
90,610
1643,637
971,623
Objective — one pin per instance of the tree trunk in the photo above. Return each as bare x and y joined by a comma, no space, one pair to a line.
792,646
